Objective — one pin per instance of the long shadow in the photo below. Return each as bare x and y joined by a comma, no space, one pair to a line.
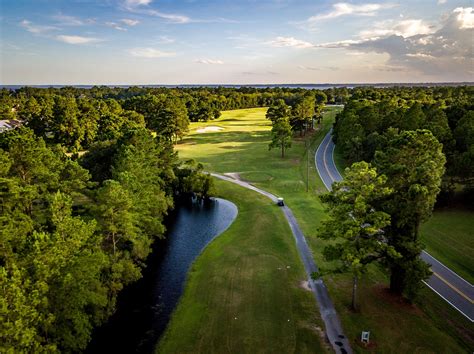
224,137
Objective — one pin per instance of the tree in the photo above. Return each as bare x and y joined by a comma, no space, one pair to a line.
278,111
302,112
116,218
413,162
281,135
356,223
66,126
191,181
320,101
414,118
172,120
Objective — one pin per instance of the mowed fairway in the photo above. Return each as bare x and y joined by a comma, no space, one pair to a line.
242,147
449,237
243,294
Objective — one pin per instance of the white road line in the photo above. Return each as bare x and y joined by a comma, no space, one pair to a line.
449,302
316,164
456,274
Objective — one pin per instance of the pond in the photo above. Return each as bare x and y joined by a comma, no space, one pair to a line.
144,308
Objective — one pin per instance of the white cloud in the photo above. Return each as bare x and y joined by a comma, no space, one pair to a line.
441,2
77,39
115,25
446,50
404,28
343,8
134,3
166,40
150,53
36,29
209,61
303,67
339,44
129,22
290,42
141,7
465,16
70,20
420,56
173,18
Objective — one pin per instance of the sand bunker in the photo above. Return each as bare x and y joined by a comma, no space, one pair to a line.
211,128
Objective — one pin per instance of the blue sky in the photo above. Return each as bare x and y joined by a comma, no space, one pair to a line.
242,42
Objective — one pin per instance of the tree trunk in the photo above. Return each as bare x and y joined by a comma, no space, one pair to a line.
282,150
397,280
354,293
114,242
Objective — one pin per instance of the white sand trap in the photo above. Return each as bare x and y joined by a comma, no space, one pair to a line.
211,128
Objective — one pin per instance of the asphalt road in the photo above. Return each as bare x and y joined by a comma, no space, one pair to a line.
458,292
334,332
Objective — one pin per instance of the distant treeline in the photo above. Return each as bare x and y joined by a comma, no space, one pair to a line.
75,118
372,117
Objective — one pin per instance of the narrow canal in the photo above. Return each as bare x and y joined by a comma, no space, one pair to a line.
144,308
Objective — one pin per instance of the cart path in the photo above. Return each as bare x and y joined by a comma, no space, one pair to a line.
334,332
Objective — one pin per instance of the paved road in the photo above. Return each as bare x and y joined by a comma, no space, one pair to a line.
328,313
446,283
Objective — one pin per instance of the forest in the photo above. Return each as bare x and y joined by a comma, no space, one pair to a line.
87,180
372,117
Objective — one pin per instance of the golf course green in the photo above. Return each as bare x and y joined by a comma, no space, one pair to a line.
237,299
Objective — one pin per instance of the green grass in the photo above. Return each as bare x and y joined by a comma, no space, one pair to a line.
243,294
242,147
395,326
449,237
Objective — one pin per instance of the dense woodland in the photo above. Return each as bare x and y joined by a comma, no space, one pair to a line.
372,116
87,181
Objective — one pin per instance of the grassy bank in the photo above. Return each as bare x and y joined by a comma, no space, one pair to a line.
449,237
242,147
243,294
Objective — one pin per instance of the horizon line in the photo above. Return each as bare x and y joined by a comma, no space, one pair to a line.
470,83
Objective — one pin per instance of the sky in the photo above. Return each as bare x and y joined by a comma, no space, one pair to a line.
138,42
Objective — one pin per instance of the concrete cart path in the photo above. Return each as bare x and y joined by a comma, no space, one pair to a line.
334,332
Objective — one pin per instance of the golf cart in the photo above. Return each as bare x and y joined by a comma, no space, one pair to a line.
280,202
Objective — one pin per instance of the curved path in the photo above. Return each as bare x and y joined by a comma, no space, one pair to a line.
333,326
457,291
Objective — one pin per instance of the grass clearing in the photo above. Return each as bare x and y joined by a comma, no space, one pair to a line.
243,294
449,237
242,147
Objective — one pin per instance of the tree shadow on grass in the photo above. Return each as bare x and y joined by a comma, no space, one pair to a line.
224,137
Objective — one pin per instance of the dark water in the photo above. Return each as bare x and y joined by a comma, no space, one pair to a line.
144,308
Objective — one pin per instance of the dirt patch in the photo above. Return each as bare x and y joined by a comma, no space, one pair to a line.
208,129
370,347
305,285
383,292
